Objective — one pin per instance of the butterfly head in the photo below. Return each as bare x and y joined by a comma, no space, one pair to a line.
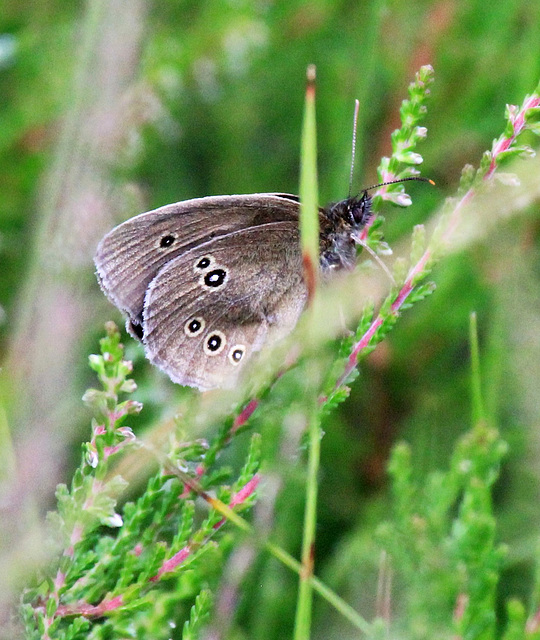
355,212
340,223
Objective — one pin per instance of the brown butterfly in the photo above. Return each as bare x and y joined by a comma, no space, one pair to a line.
207,282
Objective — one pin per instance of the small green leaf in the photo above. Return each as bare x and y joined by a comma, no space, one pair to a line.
198,616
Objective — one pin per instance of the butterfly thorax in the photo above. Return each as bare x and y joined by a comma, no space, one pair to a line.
339,222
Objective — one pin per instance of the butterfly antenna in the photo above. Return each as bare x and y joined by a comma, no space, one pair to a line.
383,184
353,154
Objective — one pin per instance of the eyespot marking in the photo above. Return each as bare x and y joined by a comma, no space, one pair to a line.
167,241
236,354
194,327
215,343
203,263
215,278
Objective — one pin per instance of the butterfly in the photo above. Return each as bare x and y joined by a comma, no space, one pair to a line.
207,282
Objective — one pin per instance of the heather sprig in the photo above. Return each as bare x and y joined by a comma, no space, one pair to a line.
411,279
407,276
105,576
405,157
443,533
473,183
403,161
91,500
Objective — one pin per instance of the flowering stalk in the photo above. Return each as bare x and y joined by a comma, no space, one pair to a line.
91,500
110,604
502,148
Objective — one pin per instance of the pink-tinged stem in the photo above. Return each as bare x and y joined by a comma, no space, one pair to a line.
245,491
180,556
461,606
245,414
364,341
239,421
95,611
90,610
172,563
59,581
505,143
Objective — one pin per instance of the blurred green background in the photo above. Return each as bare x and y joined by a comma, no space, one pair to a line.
112,108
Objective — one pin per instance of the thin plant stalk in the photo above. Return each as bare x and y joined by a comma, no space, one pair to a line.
303,610
309,208
309,231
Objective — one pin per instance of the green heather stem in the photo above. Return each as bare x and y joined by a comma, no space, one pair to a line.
478,413
303,609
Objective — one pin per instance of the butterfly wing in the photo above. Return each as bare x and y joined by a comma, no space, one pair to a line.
130,256
210,308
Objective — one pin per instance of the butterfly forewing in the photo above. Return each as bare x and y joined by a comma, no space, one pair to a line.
131,255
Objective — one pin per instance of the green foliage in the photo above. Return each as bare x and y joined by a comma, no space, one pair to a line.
198,615
213,106
442,539
107,584
404,140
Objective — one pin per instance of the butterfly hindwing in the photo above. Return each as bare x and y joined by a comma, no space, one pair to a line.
210,308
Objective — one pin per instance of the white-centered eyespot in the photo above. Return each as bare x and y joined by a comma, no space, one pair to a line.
236,353
214,343
203,263
194,327
167,240
214,278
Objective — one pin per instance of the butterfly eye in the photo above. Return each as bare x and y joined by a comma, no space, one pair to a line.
237,353
166,241
194,327
215,343
215,278
204,263
360,210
